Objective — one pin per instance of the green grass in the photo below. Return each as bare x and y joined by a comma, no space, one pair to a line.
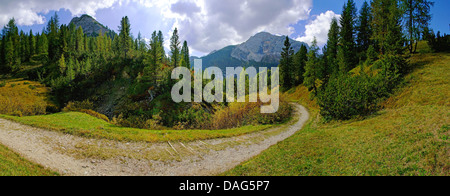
409,137
81,124
11,164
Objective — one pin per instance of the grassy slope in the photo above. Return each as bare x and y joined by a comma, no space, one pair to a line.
28,97
81,124
411,136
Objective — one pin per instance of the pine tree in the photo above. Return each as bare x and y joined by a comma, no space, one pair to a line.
175,49
286,66
185,61
347,49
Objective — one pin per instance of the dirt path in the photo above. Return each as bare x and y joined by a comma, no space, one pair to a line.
71,155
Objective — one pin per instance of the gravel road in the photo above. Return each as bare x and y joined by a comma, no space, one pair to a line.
77,156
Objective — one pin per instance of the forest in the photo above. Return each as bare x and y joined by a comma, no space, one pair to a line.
117,78
127,81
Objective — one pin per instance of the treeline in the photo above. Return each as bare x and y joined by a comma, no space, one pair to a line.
363,59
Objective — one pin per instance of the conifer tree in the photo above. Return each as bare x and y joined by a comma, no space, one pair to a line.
62,64
175,49
313,70
332,48
417,18
347,49
185,61
299,62
364,30
125,36
79,39
286,66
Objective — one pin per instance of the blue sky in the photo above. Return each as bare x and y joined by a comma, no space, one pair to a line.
206,24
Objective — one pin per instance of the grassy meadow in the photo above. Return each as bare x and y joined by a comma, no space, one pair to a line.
409,137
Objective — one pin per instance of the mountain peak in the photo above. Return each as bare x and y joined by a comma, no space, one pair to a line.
263,47
91,27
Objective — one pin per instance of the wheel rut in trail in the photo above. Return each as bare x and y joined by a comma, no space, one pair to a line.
72,155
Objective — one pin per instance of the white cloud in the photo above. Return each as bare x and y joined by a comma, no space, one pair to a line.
212,24
318,28
206,24
26,12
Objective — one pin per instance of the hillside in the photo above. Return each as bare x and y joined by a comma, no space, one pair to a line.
410,136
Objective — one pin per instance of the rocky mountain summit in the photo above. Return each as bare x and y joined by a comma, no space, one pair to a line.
263,47
91,27
261,50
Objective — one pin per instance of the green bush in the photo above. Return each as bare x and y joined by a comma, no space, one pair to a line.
346,97
77,106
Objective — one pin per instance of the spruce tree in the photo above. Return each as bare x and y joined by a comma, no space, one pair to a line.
299,62
175,49
286,66
347,48
52,38
125,36
32,45
185,61
332,48
364,30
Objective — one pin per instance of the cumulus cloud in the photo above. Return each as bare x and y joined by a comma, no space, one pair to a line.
27,12
206,24
318,28
211,24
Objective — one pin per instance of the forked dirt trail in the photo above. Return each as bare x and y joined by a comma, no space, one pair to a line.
71,155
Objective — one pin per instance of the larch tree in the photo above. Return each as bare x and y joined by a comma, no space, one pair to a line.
417,17
313,69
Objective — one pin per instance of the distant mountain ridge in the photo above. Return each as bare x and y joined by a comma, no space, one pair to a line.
260,50
91,27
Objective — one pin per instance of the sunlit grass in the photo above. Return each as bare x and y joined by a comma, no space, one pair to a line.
410,136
